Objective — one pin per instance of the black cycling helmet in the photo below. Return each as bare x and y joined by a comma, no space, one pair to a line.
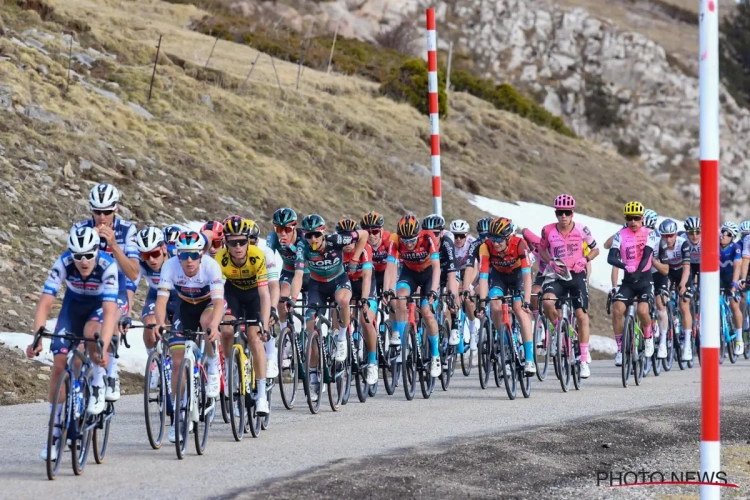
433,222
346,225
372,220
483,225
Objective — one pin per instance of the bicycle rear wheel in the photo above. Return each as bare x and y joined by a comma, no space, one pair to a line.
409,362
467,357
236,400
505,364
100,435
391,360
359,357
288,368
182,412
447,357
541,347
80,438
60,406
252,420
204,416
655,361
628,336
484,352
639,360
426,381
670,340
313,346
562,355
155,400
338,376
223,390
746,339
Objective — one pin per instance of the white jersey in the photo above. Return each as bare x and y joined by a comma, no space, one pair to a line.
273,263
206,283
462,254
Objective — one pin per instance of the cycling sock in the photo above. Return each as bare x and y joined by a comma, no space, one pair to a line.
528,349
98,377
434,346
618,339
149,350
372,358
342,333
212,364
738,333
56,431
112,366
399,326
270,346
584,352
261,385
662,320
647,332
282,325
472,327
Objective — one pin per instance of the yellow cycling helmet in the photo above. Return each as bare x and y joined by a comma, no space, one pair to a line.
236,226
633,208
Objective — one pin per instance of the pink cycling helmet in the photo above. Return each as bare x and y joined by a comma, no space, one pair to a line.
565,201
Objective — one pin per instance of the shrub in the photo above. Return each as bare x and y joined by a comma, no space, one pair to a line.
409,83
629,149
602,108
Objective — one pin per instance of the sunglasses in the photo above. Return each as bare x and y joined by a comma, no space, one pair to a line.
217,243
103,212
313,234
237,243
727,234
410,241
459,236
669,235
498,239
153,254
189,256
373,232
79,257
284,229
437,233
563,213
633,218
694,232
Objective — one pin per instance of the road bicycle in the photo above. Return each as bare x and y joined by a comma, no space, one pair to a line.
335,374
727,338
357,356
292,357
448,353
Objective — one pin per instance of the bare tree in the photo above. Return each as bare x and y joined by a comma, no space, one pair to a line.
400,38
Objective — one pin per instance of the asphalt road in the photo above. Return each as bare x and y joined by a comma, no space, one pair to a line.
298,441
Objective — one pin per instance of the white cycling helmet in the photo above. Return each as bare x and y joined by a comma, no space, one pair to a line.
649,218
83,240
148,239
731,227
745,227
103,196
460,226
190,241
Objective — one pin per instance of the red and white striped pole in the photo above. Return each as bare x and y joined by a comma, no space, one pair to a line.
709,279
432,79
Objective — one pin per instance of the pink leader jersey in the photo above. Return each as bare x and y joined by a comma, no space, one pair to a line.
631,245
533,241
567,248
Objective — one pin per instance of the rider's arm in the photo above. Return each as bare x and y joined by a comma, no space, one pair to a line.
389,278
299,273
360,246
614,258
435,259
215,279
660,266
109,304
685,274
127,258
484,271
608,243
265,304
614,276
166,285
43,308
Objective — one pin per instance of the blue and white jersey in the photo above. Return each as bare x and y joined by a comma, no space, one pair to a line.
101,285
153,278
125,236
727,257
207,282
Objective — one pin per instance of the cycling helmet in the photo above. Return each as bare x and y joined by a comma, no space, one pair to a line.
633,208
83,240
460,226
745,227
236,226
285,217
564,201
501,227
253,230
433,222
171,233
148,239
103,196
346,225
190,241
693,224
483,224
313,222
408,227
649,218
215,227
668,227
372,220
731,227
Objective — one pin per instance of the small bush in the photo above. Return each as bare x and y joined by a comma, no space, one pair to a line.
602,108
409,83
629,149
399,38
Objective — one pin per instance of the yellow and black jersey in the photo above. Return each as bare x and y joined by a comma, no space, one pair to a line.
252,274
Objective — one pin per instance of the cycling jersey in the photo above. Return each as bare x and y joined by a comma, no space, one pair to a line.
420,257
251,274
380,254
125,236
727,257
462,253
677,256
515,257
532,240
329,264
273,262
567,248
473,253
288,253
207,283
99,286
365,263
447,255
631,246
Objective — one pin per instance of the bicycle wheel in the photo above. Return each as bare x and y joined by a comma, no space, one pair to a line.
390,359
639,360
669,360
732,344
722,340
313,346
746,339
576,363
100,435
359,356
236,399
409,362
338,377
265,421
79,435
60,406
426,381
467,358
506,361
155,400
252,420
288,368
223,391
523,379
204,412
562,356
484,350
541,347
182,413
628,336
655,361
446,356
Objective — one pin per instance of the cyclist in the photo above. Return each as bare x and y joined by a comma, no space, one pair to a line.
632,250
674,251
363,292
285,239
117,238
153,251
273,262
377,238
504,269
217,240
200,293
419,253
692,232
470,276
89,307
462,241
564,240
730,261
246,293
171,233
448,267
532,240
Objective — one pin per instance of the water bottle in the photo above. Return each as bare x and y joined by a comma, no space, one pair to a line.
77,398
515,334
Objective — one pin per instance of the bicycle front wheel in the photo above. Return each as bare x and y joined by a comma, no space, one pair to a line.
288,368
236,399
541,347
484,352
155,400
628,337
80,437
313,391
562,355
506,362
205,407
182,411
58,426
426,381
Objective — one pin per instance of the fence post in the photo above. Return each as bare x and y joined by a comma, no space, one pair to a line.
153,73
448,70
252,67
278,81
333,45
212,53
432,84
70,60
302,50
